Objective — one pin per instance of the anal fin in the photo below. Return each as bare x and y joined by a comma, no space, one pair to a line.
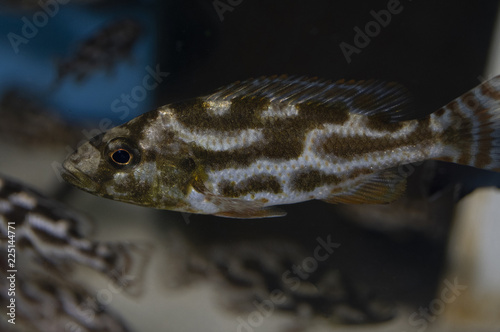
380,188
243,209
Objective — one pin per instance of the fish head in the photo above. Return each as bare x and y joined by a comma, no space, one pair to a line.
140,162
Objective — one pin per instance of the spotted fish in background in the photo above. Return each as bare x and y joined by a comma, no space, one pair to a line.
278,140
50,233
101,51
46,302
248,270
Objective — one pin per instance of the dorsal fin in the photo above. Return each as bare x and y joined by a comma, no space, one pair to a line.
388,101
382,187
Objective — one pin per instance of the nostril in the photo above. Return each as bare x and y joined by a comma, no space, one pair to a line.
83,152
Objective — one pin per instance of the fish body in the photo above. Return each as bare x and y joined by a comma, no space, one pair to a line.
282,140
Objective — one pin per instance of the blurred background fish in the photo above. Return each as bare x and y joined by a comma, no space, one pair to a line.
102,51
273,274
50,240
57,236
48,302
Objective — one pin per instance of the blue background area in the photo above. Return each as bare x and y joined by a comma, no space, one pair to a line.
34,68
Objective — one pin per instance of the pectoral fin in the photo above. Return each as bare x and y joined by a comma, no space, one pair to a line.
382,187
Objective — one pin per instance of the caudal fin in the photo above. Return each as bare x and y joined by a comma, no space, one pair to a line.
471,127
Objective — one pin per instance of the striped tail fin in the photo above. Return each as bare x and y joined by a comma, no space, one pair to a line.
470,127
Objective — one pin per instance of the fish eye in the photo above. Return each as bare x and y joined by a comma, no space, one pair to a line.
121,152
121,157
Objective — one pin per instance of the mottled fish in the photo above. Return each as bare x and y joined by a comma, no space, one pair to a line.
282,140
103,50
50,233
48,302
249,270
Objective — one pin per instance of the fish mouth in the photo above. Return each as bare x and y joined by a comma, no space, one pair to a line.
77,178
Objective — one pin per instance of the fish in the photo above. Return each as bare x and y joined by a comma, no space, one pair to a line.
102,50
50,233
251,270
277,140
48,302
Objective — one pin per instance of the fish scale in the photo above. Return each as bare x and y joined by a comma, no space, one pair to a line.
313,159
281,140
